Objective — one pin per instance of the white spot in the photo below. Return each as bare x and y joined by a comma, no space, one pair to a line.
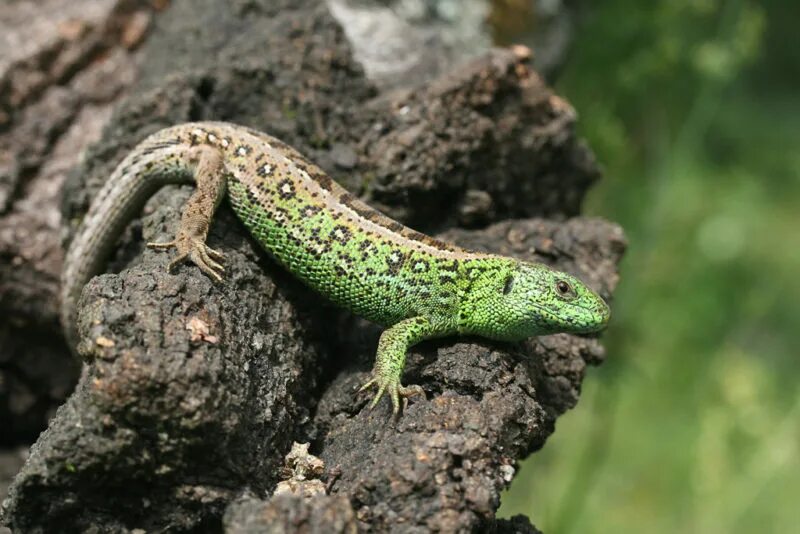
419,266
212,138
404,110
287,188
242,151
225,142
198,132
279,216
507,472
266,169
394,257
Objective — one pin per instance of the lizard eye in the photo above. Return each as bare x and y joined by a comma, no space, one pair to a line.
564,289
509,285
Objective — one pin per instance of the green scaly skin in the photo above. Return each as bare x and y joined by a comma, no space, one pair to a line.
416,286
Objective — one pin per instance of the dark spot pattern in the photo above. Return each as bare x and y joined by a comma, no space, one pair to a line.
341,234
380,219
420,266
324,181
286,189
265,170
251,196
197,136
395,260
309,210
281,216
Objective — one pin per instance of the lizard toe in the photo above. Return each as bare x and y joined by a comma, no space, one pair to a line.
204,253
206,264
405,392
215,254
177,260
377,397
367,385
164,245
398,393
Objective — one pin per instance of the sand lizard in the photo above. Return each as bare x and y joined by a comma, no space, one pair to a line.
416,286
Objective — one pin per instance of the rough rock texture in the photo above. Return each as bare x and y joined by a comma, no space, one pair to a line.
193,392
10,462
393,39
291,514
62,66
285,514
442,465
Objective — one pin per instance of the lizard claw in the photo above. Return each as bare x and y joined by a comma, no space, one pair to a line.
196,251
396,392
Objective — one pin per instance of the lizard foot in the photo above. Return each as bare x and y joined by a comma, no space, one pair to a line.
395,389
195,250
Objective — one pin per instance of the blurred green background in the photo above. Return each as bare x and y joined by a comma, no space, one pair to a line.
693,423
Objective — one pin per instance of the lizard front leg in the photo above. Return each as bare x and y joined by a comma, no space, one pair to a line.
391,358
190,240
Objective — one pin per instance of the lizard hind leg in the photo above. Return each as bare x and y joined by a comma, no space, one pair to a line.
190,240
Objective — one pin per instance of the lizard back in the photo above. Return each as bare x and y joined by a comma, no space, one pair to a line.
342,248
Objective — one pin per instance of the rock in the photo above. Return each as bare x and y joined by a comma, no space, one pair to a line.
287,514
64,65
193,393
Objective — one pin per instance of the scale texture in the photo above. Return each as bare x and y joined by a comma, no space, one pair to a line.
416,286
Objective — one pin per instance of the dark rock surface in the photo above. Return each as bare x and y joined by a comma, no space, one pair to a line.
442,466
193,392
289,514
62,67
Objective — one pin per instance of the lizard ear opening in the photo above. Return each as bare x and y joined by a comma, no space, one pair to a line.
509,284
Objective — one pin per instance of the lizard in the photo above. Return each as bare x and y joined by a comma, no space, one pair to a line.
415,286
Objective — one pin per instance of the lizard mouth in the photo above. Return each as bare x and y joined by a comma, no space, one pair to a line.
585,321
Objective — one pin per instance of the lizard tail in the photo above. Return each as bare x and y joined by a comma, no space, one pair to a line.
156,161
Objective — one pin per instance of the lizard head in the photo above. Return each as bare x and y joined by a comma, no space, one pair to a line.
530,299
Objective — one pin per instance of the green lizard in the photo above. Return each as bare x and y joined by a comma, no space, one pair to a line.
416,286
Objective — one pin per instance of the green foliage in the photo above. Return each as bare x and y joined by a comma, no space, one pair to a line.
693,424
